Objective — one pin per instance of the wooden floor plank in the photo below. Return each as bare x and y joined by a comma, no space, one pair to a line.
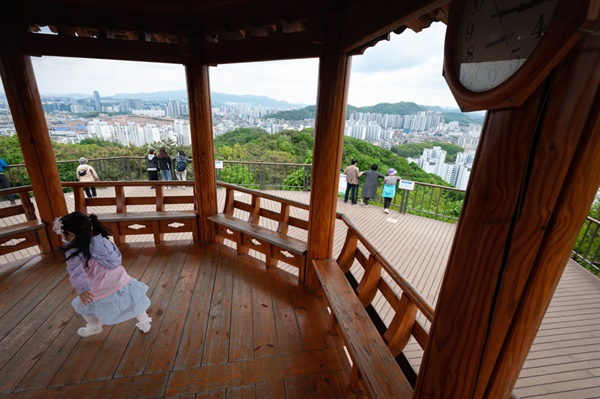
216,348
210,378
30,351
17,327
194,331
243,392
241,337
270,389
136,387
169,333
266,343
140,346
286,324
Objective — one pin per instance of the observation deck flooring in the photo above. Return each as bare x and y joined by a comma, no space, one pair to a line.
40,349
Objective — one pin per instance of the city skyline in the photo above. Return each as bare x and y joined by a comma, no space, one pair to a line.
407,68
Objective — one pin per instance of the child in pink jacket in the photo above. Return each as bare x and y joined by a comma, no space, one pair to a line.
107,294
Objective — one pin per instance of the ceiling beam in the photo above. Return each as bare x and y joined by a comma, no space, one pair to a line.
365,24
36,44
285,46
269,48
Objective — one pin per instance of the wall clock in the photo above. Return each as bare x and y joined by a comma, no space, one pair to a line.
498,51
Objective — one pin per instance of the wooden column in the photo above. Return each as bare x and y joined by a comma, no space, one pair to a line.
198,86
28,115
334,77
534,179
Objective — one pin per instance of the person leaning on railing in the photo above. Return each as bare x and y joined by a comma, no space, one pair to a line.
86,173
4,181
152,165
181,161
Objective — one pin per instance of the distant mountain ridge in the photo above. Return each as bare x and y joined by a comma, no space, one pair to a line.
401,108
297,111
217,98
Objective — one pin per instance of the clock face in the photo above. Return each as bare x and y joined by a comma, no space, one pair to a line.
495,37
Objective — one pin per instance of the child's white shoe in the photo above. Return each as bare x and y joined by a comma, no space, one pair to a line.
145,325
89,330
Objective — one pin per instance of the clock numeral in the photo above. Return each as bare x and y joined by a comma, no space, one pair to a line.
477,6
540,28
514,57
493,73
469,31
470,51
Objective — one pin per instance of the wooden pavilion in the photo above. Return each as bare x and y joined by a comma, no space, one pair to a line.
535,176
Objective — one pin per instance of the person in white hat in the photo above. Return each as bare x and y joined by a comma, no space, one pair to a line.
389,188
87,173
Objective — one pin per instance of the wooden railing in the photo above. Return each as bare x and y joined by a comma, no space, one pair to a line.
381,277
125,221
587,248
239,222
22,234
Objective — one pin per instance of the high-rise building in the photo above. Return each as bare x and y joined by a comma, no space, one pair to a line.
97,101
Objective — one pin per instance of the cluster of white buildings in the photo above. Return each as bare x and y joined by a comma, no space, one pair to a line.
138,135
457,173
374,127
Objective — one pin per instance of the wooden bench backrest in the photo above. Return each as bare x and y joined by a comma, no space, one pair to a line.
283,218
381,277
121,202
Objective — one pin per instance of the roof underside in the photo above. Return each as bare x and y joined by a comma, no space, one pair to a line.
224,31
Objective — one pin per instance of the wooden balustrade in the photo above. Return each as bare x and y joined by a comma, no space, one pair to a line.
274,243
379,277
21,235
125,221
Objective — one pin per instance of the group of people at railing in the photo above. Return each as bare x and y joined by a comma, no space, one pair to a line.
371,184
162,163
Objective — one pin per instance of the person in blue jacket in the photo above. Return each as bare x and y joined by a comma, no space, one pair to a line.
4,181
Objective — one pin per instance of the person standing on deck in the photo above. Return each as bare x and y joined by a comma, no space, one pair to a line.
164,164
152,165
4,181
352,173
389,188
372,177
87,173
181,166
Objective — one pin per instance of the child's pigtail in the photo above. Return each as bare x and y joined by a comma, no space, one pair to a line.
98,228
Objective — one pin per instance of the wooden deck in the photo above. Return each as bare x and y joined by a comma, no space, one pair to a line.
39,339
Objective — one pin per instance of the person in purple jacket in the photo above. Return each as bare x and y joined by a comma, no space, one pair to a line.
107,294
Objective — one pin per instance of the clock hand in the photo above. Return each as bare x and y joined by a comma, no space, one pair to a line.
501,23
521,7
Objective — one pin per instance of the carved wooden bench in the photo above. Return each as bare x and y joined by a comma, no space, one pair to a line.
155,223
371,356
274,245
18,236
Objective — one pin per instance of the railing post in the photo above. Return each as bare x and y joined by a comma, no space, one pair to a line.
261,174
305,182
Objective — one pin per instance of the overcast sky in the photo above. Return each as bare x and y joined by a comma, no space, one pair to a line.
407,68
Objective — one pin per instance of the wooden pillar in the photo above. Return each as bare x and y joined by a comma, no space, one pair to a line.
198,86
28,115
536,172
334,77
